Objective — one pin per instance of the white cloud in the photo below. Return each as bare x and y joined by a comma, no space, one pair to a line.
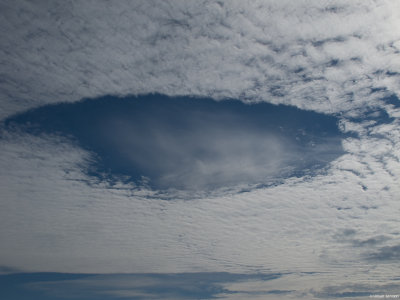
240,50
322,55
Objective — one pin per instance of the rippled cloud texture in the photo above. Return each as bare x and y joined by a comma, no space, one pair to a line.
328,234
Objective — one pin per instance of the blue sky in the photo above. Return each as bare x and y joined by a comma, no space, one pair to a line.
190,144
131,286
199,149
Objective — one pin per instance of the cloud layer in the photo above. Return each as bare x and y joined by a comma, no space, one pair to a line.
333,57
321,55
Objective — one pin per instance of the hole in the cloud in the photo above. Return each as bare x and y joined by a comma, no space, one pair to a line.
188,143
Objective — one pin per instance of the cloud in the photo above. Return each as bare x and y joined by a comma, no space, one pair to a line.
387,253
358,291
335,57
349,236
302,54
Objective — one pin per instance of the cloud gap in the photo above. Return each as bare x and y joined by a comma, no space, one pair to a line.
190,144
202,285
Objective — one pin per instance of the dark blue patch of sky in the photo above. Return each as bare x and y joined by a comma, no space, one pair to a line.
189,143
46,286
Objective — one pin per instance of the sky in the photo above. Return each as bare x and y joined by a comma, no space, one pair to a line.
199,149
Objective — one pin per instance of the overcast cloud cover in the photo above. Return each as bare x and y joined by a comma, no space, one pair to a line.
333,233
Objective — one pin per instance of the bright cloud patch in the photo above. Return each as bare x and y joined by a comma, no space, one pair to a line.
190,144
